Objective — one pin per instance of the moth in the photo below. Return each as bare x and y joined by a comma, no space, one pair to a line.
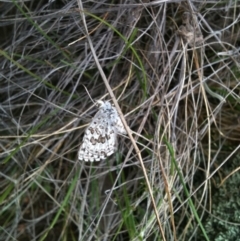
100,138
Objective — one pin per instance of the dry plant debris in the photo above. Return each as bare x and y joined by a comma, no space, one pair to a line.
184,133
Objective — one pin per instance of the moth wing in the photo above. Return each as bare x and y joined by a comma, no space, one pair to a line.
119,126
99,140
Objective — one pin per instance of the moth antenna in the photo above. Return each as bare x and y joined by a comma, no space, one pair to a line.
89,94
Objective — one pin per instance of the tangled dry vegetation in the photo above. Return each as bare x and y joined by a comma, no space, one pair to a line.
173,67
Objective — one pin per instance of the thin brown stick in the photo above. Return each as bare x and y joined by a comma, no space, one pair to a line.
129,132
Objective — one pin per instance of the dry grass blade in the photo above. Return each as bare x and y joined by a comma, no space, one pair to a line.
171,69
